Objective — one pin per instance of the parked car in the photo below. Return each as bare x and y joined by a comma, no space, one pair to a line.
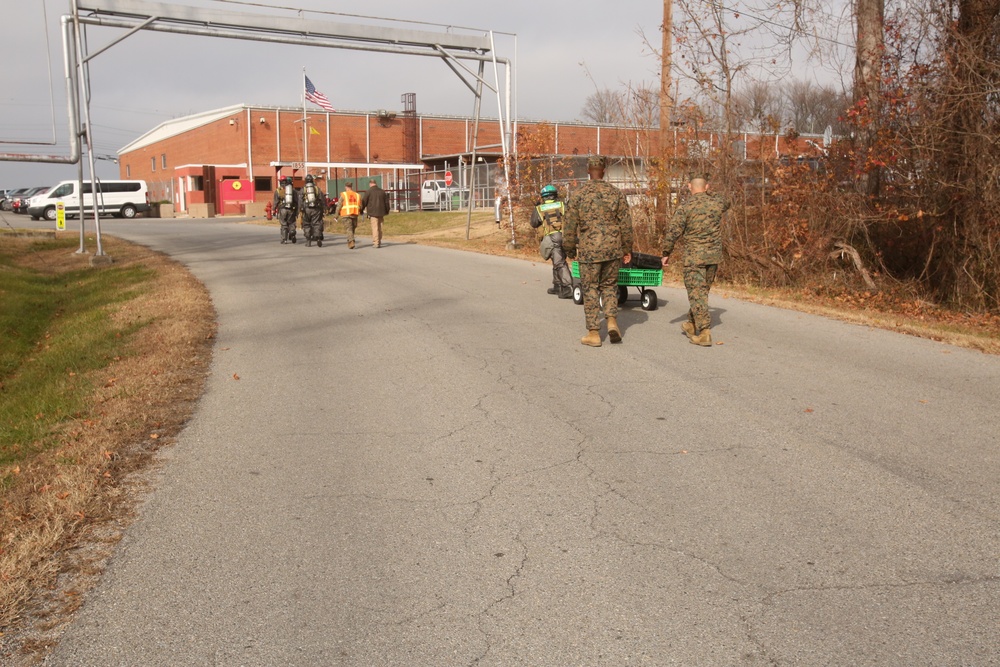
441,196
7,202
124,199
20,203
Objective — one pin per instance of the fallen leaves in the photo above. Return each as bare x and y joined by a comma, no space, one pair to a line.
235,376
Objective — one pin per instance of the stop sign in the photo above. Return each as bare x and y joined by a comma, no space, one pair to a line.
447,178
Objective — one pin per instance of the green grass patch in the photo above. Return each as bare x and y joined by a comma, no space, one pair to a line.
56,329
421,222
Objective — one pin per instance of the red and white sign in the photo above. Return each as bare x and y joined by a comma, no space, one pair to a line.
447,178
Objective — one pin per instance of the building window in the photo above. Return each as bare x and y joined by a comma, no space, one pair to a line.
128,171
163,160
152,164
262,183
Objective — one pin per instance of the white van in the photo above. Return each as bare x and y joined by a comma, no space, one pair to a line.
122,199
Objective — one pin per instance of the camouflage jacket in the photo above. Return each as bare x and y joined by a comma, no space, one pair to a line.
699,221
598,224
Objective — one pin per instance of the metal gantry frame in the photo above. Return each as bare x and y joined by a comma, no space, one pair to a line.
136,15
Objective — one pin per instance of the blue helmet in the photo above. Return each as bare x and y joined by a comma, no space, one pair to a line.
549,192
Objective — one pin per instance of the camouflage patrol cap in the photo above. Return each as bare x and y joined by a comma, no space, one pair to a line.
597,161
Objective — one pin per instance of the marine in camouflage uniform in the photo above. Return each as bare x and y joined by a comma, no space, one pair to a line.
699,222
597,230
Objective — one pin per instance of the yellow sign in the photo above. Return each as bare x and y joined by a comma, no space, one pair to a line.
237,185
60,216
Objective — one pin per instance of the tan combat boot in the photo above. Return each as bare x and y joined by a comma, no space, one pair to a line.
704,338
614,333
688,329
593,338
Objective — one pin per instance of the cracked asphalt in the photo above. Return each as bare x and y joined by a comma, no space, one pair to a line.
420,465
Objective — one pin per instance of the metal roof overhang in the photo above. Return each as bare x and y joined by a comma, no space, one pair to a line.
142,15
380,166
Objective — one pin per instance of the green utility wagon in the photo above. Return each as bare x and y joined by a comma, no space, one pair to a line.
641,279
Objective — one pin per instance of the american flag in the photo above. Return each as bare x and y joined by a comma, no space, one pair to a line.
316,97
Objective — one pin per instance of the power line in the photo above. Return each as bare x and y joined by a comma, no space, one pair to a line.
800,31
359,16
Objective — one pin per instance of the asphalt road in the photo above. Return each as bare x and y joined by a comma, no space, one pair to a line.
421,466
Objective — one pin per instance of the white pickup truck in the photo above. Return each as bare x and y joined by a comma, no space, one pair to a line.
439,196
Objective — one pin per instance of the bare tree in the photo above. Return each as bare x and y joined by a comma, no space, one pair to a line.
869,49
812,108
759,104
969,141
603,106
643,107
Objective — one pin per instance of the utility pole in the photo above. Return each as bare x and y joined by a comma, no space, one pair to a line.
666,104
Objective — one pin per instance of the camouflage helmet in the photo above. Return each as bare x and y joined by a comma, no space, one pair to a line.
549,192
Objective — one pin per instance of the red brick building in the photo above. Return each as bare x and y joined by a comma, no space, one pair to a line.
231,158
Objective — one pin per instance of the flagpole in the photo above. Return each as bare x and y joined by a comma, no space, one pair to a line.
305,130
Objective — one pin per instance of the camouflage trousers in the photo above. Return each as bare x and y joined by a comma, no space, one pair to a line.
312,223
599,282
698,280
350,224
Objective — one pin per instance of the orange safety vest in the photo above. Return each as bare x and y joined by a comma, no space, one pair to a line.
352,204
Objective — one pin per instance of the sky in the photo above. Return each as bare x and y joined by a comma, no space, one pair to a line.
563,51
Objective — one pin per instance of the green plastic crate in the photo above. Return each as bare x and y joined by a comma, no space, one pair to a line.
630,277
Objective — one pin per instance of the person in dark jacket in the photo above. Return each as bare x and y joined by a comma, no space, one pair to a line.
375,204
286,203
313,206
549,216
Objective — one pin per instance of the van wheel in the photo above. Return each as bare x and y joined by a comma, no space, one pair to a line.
50,213
128,211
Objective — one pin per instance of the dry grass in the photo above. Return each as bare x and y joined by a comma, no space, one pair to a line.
66,507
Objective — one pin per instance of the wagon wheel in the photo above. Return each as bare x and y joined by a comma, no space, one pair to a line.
649,301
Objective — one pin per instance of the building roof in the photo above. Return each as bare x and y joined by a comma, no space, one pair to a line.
176,126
